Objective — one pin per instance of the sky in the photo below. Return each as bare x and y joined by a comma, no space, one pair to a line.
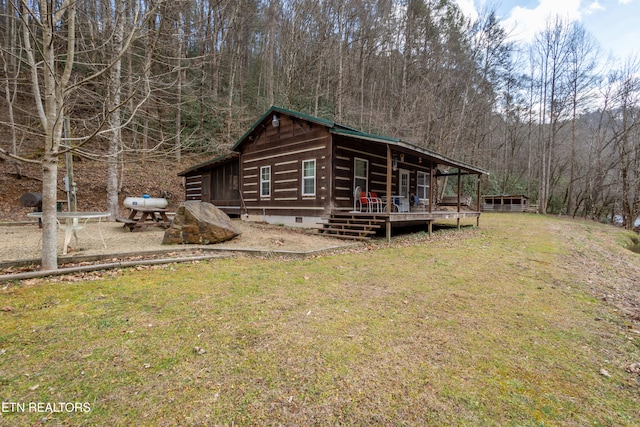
615,24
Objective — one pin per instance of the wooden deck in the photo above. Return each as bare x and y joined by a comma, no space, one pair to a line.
364,225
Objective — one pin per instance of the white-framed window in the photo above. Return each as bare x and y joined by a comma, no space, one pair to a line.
309,177
422,190
265,181
361,174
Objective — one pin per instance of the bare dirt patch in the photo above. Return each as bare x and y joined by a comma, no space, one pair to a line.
159,179
23,242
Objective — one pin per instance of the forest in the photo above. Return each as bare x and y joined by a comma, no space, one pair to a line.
118,81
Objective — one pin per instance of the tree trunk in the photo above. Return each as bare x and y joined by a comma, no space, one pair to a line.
52,110
115,120
178,120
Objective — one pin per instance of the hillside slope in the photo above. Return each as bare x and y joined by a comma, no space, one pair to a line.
528,320
156,179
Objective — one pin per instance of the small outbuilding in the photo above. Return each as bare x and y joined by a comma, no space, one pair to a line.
505,203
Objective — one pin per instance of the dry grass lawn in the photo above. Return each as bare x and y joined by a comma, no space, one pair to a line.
526,321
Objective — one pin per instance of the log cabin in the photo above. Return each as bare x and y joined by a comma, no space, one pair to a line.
295,169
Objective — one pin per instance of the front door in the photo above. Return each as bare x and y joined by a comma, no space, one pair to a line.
404,183
206,187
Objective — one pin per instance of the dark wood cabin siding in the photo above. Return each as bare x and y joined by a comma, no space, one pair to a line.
225,183
413,164
284,149
225,187
216,183
347,150
193,186
206,187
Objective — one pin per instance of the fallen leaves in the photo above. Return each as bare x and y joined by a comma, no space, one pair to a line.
634,368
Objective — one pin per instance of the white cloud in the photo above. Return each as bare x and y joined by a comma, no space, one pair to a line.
625,1
594,7
468,8
526,23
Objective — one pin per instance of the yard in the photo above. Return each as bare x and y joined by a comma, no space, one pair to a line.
528,320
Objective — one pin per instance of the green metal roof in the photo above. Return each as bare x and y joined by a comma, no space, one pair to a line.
442,159
338,129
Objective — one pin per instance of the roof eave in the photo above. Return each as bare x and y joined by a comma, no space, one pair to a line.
211,162
409,146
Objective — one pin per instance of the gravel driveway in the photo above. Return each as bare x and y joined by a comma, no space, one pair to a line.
23,242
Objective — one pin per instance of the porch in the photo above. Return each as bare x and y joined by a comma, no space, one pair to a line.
365,225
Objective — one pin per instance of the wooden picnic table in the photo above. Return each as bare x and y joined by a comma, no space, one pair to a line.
141,217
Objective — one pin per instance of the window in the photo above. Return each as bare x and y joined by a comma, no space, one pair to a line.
423,185
360,174
265,181
309,178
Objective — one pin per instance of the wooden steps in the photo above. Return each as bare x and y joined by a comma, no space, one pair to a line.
352,225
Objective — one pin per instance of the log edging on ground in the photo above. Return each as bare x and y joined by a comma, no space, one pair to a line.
217,253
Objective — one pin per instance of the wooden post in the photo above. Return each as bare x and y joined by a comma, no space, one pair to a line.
479,205
70,186
459,196
389,181
388,228
459,192
431,178
389,191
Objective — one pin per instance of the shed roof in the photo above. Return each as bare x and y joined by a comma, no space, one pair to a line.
212,162
506,196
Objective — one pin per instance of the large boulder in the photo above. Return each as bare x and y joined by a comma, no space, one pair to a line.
199,223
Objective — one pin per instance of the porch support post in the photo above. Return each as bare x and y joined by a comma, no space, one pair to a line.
459,188
479,205
389,170
431,177
389,198
459,196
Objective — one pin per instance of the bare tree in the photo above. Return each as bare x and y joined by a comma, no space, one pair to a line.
113,106
582,78
552,48
50,36
55,29
625,122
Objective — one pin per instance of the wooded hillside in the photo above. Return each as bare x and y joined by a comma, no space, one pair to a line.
136,81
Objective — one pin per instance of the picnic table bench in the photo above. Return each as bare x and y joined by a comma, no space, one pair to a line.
141,217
